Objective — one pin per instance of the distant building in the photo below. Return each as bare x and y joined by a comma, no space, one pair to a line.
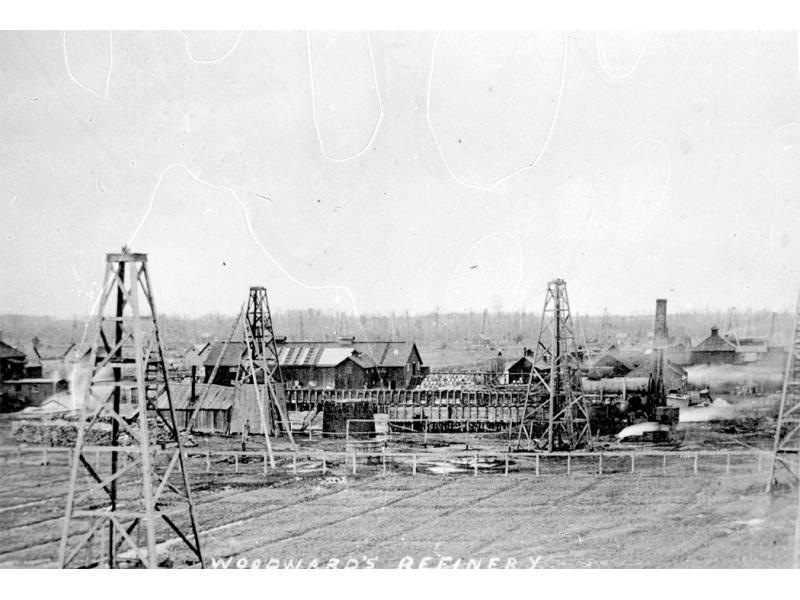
750,350
12,362
714,350
609,365
21,393
21,382
519,371
675,377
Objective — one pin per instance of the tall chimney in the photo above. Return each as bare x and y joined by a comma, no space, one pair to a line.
661,335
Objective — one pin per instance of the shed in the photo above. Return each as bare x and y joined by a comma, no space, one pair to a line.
12,362
215,409
714,350
675,377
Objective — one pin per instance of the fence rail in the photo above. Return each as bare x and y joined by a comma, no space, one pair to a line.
368,461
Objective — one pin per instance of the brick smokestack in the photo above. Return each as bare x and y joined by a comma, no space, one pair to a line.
661,334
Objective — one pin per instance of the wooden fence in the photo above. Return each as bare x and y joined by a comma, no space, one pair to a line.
655,463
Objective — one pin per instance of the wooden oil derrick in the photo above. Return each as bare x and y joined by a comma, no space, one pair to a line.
786,448
555,416
259,365
123,498
606,336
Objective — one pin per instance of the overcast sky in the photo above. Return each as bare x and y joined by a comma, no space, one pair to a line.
395,171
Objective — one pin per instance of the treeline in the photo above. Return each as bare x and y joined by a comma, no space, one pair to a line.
437,328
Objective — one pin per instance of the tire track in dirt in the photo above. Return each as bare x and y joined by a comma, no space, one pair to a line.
305,531
209,501
470,502
550,507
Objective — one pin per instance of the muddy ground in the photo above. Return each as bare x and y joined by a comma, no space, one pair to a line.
618,519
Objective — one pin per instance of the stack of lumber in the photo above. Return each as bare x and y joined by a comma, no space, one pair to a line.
62,432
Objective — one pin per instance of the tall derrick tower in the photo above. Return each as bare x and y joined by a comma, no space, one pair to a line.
121,493
259,364
555,416
786,448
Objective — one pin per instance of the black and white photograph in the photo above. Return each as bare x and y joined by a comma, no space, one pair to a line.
419,298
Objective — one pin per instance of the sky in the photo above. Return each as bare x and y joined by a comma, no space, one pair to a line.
393,171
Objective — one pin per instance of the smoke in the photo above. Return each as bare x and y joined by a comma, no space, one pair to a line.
721,376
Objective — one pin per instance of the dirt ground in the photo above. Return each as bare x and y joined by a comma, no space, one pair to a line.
371,520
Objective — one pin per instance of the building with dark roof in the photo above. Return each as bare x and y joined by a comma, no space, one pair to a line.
609,365
346,364
675,377
714,350
12,362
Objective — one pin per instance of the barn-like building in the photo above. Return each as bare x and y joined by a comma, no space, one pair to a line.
343,364
714,350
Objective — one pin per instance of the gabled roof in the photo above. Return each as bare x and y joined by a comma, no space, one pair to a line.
714,343
648,366
382,353
330,357
323,354
7,351
611,360
231,358
525,363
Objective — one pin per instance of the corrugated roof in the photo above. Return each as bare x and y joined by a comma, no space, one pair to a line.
322,354
333,356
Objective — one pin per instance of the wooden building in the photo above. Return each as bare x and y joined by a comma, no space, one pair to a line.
714,350
346,364
224,409
12,362
609,365
30,391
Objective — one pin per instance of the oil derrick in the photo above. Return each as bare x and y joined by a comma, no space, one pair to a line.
786,449
118,518
732,327
259,364
605,339
555,416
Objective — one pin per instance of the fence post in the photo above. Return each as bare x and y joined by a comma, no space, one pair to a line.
600,463
425,434
354,461
633,463
506,471
265,462
294,463
537,465
569,464
695,462
44,456
414,464
728,463
664,465
323,463
383,458
475,464
208,461
235,462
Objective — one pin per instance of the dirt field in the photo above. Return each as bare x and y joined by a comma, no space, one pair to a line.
584,520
